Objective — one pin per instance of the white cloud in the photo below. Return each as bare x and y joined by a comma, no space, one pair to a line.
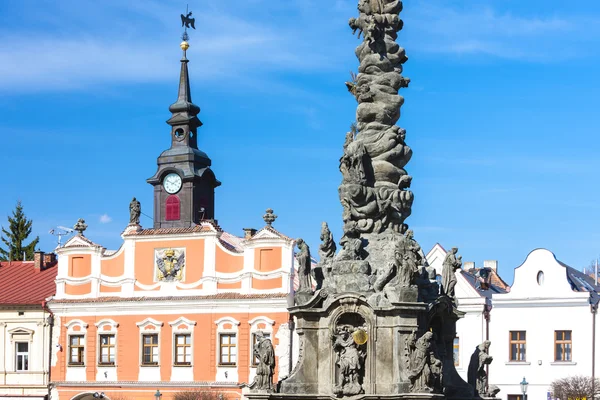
437,27
105,219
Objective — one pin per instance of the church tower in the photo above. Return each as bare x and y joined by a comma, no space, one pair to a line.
184,184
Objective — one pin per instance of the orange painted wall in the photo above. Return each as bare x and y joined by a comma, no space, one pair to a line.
80,265
228,263
113,267
144,259
266,283
204,347
267,259
234,285
110,289
86,288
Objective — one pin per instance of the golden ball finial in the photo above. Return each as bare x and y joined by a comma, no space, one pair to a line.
184,45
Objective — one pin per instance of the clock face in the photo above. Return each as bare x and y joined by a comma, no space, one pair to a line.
172,183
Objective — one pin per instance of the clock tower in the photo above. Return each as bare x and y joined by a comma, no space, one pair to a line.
184,184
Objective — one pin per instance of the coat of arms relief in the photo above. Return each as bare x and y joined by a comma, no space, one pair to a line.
169,264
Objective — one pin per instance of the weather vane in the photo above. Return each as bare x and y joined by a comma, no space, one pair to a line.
186,22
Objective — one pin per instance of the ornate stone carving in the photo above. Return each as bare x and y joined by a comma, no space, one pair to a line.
476,374
169,264
135,209
269,217
304,266
425,367
327,247
263,350
450,265
374,190
80,226
349,344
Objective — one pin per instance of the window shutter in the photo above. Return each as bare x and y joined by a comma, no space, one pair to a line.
173,208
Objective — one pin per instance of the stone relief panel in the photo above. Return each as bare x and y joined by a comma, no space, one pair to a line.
169,264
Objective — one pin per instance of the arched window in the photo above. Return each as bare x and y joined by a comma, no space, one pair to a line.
172,208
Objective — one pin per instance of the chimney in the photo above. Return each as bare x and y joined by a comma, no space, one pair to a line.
491,264
49,258
38,259
467,265
249,232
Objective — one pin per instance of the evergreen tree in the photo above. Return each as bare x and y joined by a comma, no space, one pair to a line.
19,230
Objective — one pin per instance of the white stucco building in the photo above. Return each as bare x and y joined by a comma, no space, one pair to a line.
25,328
542,329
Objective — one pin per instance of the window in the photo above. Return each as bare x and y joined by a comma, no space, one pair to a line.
107,350
227,346
76,349
172,208
517,345
22,356
562,345
456,352
150,349
183,349
254,343
515,397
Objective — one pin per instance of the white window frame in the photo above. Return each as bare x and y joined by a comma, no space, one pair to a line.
156,329
19,354
188,329
100,329
82,331
221,322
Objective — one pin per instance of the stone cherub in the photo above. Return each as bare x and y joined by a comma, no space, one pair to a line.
263,350
135,209
350,358
477,376
450,265
425,368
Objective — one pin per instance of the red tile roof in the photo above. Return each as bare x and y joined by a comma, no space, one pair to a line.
23,284
169,231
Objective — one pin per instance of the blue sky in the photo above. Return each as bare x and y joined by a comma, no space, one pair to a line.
501,114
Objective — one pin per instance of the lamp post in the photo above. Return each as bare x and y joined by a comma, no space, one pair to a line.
157,395
524,385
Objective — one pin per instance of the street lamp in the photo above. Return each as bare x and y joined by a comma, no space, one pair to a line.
524,385
157,395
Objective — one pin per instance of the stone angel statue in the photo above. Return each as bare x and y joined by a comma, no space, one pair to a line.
169,265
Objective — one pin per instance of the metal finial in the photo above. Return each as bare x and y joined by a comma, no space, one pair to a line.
80,226
269,217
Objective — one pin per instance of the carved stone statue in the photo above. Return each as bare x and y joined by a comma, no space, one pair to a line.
408,258
135,209
263,350
476,374
327,247
425,368
304,266
450,265
350,357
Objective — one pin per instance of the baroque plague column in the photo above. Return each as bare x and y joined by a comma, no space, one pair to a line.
377,324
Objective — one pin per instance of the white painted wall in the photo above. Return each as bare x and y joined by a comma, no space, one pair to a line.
539,309
32,328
